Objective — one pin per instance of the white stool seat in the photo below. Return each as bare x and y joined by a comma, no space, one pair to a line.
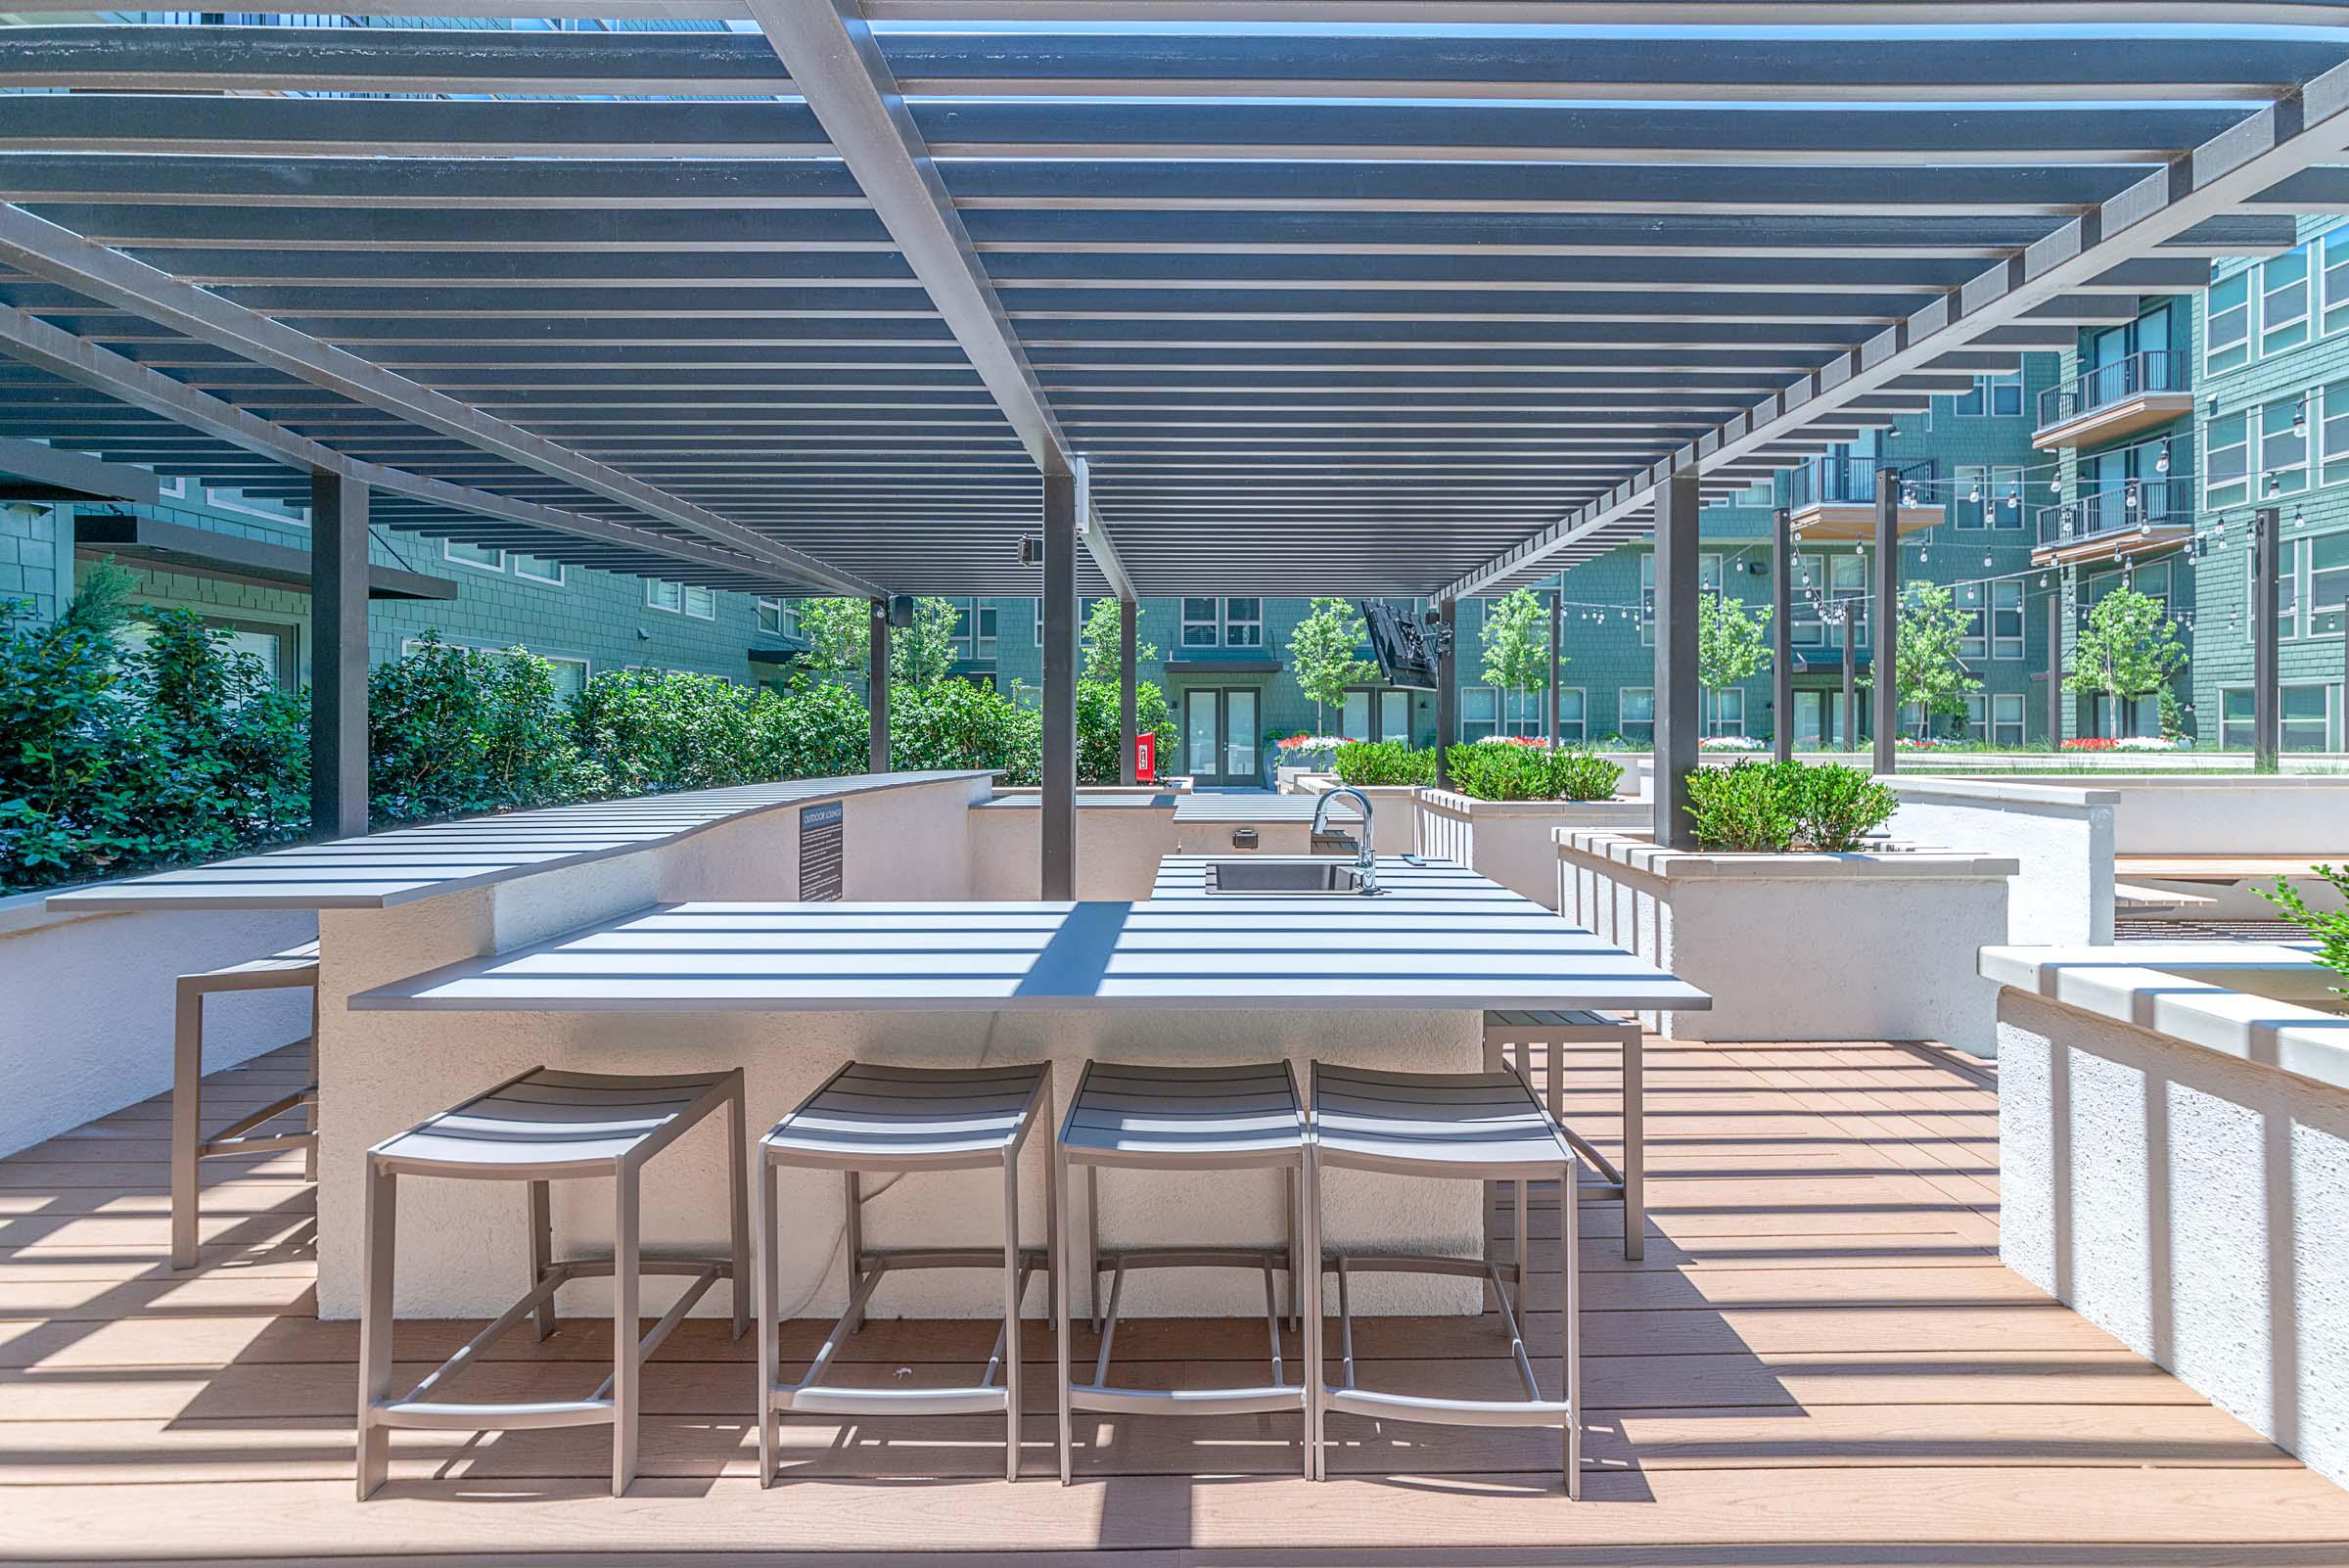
549,1123
896,1117
295,968
1146,1116
1446,1119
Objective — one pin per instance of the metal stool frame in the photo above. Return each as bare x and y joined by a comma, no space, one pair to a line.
1162,1096
882,1092
616,1400
1512,1031
190,1145
1503,1133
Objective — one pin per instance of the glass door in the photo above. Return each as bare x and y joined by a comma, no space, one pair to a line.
1220,743
1810,710
1395,716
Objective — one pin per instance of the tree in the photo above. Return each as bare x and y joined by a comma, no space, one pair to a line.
1929,676
839,641
1732,644
1516,638
1101,637
1325,653
2128,649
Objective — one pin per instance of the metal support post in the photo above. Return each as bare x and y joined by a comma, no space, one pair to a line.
1059,854
338,656
1885,649
1781,635
1677,693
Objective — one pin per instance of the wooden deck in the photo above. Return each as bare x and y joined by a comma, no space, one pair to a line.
1819,1362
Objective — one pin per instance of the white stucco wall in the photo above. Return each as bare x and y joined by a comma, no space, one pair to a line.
2062,839
1117,849
2231,815
2195,1206
86,1004
1800,946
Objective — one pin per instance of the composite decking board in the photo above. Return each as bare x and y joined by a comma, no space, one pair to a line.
1768,1391
402,864
1440,937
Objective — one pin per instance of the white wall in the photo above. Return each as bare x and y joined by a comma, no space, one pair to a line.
86,1004
2231,815
2062,839
1511,841
2193,1205
1118,850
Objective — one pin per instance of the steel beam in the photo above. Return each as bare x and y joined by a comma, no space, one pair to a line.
2262,149
876,677
1129,721
2055,686
1095,534
1059,824
33,245
1884,672
1677,693
1781,635
839,68
1448,688
338,657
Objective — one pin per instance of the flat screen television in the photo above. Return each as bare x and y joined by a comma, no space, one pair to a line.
1406,649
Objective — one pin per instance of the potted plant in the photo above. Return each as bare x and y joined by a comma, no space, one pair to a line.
1508,796
1795,912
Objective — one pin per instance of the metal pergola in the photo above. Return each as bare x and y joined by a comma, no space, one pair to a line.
1379,296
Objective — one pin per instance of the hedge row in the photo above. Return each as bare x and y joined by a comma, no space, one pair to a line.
118,754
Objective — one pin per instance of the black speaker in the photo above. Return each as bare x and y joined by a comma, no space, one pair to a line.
900,611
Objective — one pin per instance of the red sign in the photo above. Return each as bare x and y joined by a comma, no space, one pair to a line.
1145,759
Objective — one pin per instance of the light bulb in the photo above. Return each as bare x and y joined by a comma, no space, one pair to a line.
2015,498
1908,496
2055,484
2275,484
2161,464
1986,558
1974,496
2043,580
2300,417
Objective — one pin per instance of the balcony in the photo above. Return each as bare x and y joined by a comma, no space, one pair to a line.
2103,523
1834,499
2118,400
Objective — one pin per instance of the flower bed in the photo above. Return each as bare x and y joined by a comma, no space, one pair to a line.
1732,742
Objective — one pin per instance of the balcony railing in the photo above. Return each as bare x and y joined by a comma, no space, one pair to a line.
2155,370
2159,503
1851,482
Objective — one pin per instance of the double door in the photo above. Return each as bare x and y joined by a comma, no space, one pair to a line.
1220,735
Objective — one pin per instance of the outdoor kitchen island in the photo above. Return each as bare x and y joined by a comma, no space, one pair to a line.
788,991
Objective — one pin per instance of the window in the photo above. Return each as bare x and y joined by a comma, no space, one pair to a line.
1809,578
1847,579
701,603
2006,620
1723,712
1571,713
1636,707
1994,628
273,645
478,556
1491,711
779,618
1229,623
2327,582
1974,498
1978,715
2006,719
2304,722
538,568
2227,465
2335,283
2332,435
660,595
1707,580
1991,396
2287,591
2284,301
2284,447
2229,327
975,628
1480,711
571,674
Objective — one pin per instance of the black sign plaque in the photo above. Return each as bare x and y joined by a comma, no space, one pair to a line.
822,858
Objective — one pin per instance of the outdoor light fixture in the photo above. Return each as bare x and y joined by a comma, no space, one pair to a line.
2161,463
1909,494
2300,416
1973,496
2275,485
2129,495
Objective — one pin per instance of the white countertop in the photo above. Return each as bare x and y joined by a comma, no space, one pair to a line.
380,869
1238,810
1441,938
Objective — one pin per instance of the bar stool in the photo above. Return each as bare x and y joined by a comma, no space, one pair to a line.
540,1126
1510,1034
870,1117
1477,1126
294,967
1237,1118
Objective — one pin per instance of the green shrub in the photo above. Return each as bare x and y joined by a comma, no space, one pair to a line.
1098,733
1745,808
1390,762
2331,930
958,724
1836,807
1496,772
458,731
120,755
1768,808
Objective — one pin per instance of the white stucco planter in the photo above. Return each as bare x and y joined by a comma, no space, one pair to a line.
2174,1165
2062,838
1877,945
1511,841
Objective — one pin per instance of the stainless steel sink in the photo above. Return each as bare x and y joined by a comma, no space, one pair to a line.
1326,878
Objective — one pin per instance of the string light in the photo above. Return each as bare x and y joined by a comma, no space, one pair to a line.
2161,464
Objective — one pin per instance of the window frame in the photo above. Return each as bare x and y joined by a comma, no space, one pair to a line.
708,598
1624,722
2332,280
514,559
449,546
2235,348
653,596
2225,484
2292,331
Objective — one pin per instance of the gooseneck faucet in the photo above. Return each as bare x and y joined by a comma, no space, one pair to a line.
1365,857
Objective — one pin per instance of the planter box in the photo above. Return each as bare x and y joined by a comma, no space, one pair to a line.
2174,1165
1511,841
1879,945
